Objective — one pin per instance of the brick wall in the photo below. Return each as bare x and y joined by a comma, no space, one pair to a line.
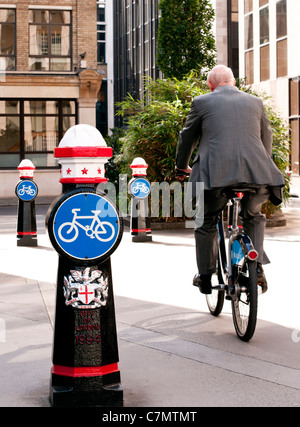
87,31
84,29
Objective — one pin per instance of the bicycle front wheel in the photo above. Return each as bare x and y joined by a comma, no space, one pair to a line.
244,307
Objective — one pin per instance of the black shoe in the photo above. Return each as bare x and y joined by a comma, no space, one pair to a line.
203,282
261,278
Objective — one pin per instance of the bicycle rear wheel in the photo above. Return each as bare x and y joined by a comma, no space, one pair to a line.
215,300
244,307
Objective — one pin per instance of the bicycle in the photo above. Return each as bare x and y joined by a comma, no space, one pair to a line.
236,276
26,190
102,230
140,188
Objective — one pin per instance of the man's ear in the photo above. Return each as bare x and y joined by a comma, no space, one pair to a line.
211,86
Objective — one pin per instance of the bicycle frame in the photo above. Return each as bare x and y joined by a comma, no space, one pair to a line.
236,233
91,230
87,228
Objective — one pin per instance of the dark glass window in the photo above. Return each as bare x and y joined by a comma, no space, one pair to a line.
32,128
101,32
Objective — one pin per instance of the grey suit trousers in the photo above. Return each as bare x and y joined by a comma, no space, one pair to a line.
206,235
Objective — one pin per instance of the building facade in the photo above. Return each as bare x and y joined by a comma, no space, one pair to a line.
269,44
67,62
49,80
135,23
263,38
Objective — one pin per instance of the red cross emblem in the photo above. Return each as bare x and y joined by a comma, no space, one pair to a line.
86,293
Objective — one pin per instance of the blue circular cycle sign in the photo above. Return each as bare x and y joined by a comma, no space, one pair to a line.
26,190
85,227
140,188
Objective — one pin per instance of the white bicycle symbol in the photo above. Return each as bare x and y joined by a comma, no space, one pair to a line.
28,190
142,187
103,231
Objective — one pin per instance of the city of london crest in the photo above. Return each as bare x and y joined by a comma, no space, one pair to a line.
85,290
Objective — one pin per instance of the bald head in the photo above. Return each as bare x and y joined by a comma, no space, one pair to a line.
220,76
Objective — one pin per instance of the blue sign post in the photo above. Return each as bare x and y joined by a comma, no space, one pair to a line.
84,228
139,189
26,191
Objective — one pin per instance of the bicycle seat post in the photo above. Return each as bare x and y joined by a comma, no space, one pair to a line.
235,213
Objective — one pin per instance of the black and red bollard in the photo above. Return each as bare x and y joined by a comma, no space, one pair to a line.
85,229
26,191
139,190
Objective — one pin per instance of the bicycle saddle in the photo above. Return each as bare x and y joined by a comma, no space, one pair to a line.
231,192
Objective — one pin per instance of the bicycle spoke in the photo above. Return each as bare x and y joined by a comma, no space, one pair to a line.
244,307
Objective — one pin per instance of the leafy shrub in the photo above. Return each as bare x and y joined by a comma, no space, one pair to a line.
153,126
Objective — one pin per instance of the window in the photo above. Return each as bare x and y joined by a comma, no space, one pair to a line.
7,39
248,6
249,32
249,67
265,63
101,32
281,32
31,129
50,40
282,58
233,36
294,123
264,25
264,42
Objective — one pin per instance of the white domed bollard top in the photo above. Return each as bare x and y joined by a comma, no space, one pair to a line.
26,169
82,153
139,167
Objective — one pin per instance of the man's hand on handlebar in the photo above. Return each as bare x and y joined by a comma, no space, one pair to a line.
181,174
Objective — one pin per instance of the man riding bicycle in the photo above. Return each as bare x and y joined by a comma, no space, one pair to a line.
235,149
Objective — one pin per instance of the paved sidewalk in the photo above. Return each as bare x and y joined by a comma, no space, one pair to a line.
172,352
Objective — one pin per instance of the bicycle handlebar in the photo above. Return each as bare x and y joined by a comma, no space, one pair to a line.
180,173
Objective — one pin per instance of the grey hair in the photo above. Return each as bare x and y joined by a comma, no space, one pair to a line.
220,74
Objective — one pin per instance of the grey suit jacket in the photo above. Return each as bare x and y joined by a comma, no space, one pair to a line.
235,141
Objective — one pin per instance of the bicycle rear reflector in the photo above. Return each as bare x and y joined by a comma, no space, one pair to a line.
252,255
